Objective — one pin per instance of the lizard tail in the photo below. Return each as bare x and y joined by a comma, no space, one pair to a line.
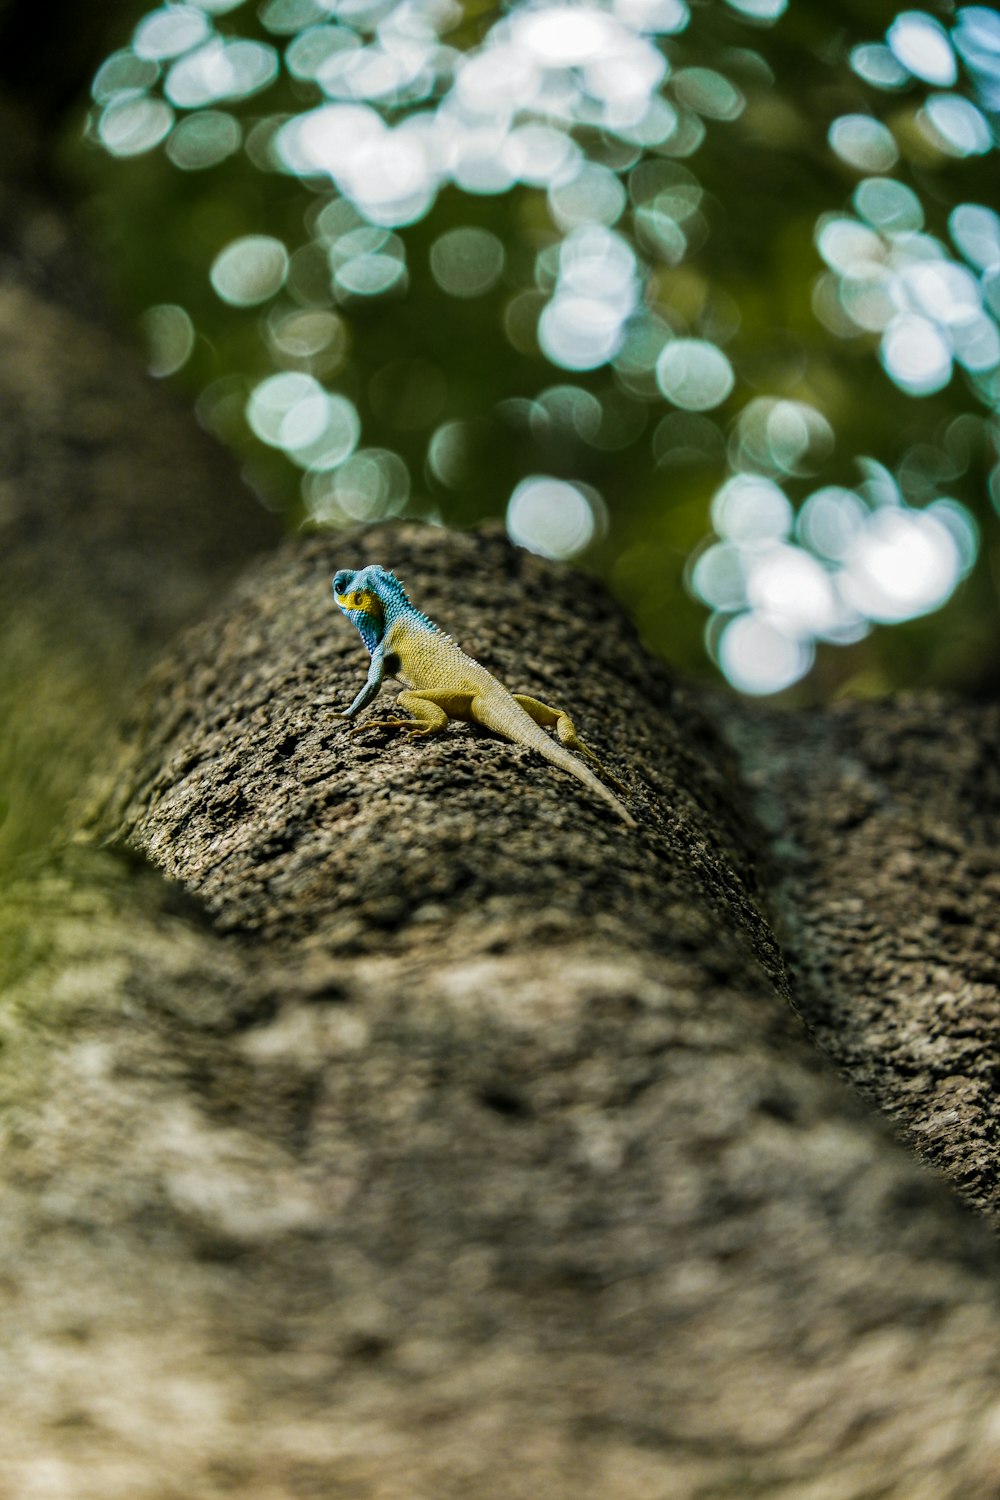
567,761
510,720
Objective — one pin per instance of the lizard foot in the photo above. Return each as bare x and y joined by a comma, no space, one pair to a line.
371,724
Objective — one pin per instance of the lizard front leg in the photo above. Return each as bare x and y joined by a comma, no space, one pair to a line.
555,718
430,708
371,689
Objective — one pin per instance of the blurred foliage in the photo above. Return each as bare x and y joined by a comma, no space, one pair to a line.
726,214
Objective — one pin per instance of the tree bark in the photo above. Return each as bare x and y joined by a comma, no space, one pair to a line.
884,824
385,1119
119,519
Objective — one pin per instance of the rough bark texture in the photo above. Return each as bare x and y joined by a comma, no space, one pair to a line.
469,1148
384,1121
107,541
885,824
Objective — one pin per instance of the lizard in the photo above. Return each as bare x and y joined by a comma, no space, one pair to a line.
441,682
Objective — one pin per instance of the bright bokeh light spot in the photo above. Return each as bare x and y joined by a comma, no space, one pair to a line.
751,511
304,422
880,487
284,17
540,155
331,435
467,262
307,333
635,362
370,275
381,72
170,31
916,355
798,437
878,66
830,520
597,262
477,160
170,336
667,186
780,437
203,140
593,195
708,93
570,409
550,516
385,172
624,80
944,291
694,374
976,231
283,406
791,590
868,302
718,578
661,234
903,563
129,126
583,326
451,454
976,34
308,53
922,46
864,143
976,343
274,398
250,270
220,69
367,262
565,36
389,178
580,333
956,125
123,73
664,16
757,658
889,205
497,80
964,530
767,11
372,483
660,123
847,246
293,412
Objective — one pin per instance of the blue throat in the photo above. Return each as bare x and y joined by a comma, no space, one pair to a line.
369,628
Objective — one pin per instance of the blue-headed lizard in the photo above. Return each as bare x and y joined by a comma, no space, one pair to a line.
441,682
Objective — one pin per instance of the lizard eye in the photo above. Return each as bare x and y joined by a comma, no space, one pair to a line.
340,582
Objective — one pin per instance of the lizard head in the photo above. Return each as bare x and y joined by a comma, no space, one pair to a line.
358,595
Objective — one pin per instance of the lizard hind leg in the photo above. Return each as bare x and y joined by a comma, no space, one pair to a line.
555,718
431,712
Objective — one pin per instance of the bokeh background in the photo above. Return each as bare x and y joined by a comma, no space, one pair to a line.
704,297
